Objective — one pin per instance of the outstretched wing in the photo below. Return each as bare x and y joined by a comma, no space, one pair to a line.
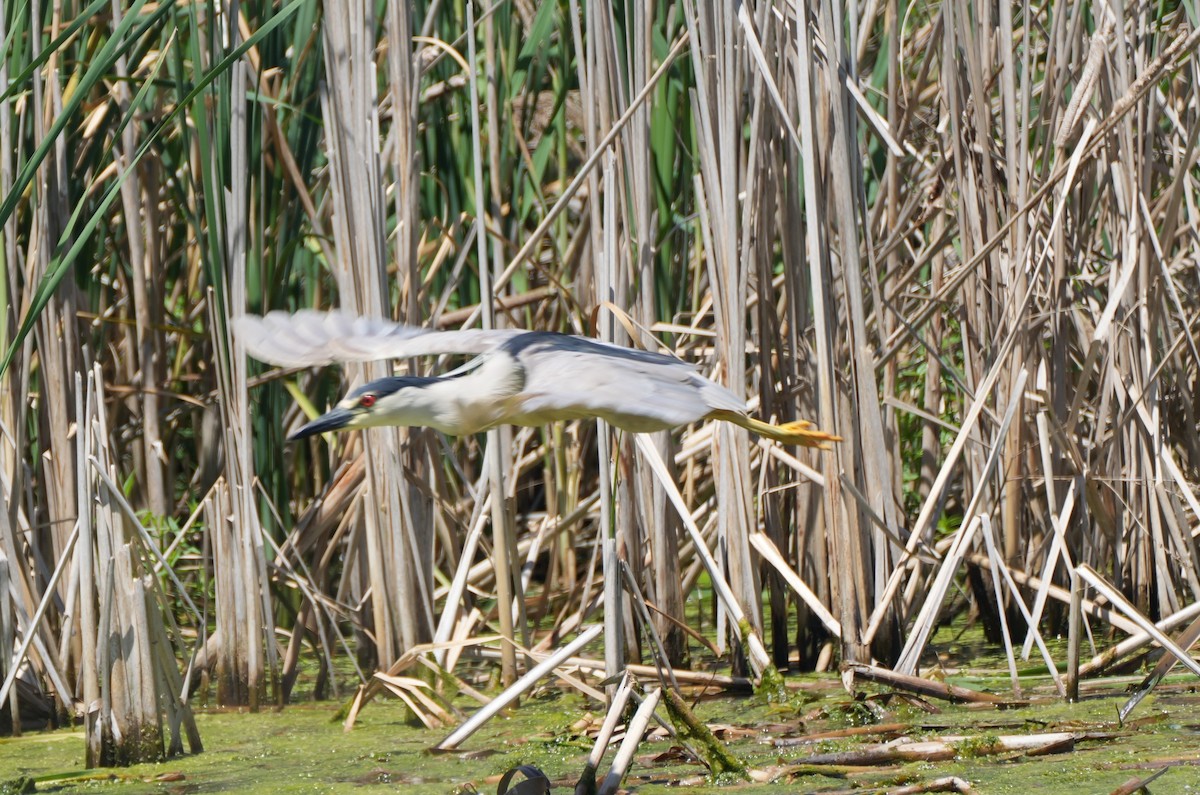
311,338
573,377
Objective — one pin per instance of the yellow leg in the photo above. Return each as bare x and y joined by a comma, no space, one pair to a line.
800,432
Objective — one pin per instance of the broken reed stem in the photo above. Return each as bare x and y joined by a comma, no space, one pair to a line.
1074,633
633,737
1119,601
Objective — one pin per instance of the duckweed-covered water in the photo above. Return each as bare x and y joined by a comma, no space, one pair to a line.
303,749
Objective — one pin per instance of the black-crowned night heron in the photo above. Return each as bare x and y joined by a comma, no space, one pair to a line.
519,378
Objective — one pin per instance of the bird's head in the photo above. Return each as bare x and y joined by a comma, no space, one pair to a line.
389,401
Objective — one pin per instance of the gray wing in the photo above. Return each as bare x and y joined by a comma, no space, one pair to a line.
311,338
572,377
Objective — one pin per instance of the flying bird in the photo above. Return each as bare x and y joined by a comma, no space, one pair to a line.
518,378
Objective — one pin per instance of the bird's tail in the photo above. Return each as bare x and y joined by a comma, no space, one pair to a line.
800,432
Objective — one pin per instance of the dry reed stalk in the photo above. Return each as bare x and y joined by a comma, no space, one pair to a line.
846,582
614,524
771,554
458,585
746,634
996,567
417,654
55,332
319,610
1074,631
1096,609
503,529
1137,640
963,539
933,501
1185,640
1020,603
661,579
8,633
399,554
585,172
142,362
701,679
718,116
32,626
422,704
246,657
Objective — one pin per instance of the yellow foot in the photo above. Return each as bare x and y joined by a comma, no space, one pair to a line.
799,432
802,433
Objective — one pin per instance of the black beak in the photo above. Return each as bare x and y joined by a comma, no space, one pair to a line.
331,421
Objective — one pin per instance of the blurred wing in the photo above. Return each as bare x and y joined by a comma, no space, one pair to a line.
573,377
311,338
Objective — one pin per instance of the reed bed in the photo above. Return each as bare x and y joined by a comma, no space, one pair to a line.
961,235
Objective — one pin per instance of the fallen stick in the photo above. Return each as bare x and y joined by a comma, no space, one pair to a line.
944,749
855,731
924,687
947,784
1136,784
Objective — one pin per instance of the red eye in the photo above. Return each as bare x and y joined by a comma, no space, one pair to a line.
366,401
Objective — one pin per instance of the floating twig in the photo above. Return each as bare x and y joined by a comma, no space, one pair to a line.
924,687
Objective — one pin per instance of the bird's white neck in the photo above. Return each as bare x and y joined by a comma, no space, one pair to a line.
456,405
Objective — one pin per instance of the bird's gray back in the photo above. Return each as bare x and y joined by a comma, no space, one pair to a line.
574,377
